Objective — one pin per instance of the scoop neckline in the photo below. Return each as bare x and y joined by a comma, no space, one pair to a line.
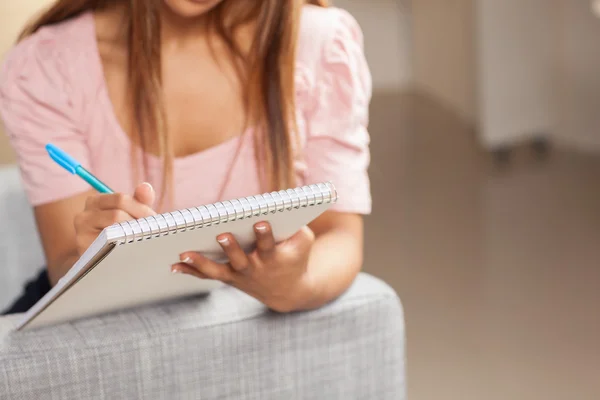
120,134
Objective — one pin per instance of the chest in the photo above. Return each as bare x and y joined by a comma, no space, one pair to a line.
202,100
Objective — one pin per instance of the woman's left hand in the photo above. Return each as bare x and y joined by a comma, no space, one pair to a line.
275,273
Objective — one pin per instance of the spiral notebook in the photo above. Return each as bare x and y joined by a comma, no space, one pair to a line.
129,264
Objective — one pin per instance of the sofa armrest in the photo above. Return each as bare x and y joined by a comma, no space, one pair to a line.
224,345
21,254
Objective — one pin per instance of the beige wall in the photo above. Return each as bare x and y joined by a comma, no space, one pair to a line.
13,15
444,58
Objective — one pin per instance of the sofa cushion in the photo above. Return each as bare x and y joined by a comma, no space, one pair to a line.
222,346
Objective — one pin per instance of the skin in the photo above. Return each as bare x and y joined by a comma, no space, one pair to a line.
304,272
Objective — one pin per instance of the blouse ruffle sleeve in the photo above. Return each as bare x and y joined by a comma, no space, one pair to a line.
36,108
337,142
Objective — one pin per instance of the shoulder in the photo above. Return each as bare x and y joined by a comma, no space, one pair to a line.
317,20
331,63
48,55
330,40
321,27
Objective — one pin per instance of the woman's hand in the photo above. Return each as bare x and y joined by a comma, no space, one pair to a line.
275,274
103,210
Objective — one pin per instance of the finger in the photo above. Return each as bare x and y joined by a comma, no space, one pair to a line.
145,194
100,219
265,242
121,202
301,240
104,218
182,268
236,255
211,269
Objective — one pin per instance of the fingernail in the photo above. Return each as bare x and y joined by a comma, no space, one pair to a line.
224,241
175,271
186,260
261,228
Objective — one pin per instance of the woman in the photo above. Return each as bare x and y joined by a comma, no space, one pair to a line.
205,100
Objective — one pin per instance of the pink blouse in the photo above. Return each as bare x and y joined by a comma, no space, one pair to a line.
52,90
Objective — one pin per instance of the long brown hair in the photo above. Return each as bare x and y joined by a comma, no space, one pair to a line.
267,71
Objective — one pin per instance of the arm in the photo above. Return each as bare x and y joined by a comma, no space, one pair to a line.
320,262
38,105
337,150
336,256
68,227
57,233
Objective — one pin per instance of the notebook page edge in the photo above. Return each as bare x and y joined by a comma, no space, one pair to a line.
97,250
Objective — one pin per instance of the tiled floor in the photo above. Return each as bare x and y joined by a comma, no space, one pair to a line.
498,270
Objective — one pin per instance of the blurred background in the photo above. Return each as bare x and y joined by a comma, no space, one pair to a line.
485,125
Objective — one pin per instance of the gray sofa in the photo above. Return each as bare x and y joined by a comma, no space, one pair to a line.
223,346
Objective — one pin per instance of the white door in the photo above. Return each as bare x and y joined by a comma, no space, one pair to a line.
516,64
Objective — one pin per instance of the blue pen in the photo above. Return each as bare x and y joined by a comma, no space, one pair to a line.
74,167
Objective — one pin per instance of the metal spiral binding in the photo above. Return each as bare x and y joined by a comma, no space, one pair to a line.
223,212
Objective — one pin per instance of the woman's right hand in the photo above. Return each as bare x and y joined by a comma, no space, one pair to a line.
103,210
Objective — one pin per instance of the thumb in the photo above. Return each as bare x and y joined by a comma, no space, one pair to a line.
145,194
